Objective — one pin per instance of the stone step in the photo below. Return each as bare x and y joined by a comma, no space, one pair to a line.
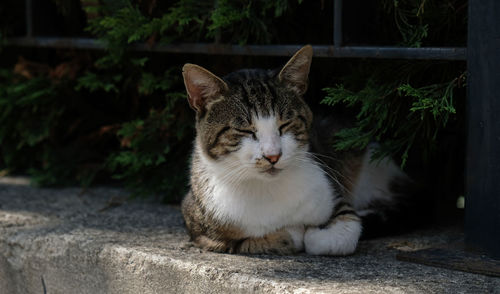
66,241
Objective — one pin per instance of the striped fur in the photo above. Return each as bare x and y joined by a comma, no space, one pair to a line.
255,185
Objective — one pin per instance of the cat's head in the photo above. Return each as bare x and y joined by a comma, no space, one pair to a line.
253,122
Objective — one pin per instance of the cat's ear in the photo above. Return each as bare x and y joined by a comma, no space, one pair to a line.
201,85
294,74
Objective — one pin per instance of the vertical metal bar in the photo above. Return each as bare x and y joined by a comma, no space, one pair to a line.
337,23
482,206
29,18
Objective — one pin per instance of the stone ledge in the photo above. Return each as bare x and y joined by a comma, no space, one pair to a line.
63,241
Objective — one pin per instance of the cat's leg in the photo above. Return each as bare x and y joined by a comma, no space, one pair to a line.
280,242
210,244
338,237
283,242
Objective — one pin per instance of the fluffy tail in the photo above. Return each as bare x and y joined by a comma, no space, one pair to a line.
386,199
405,210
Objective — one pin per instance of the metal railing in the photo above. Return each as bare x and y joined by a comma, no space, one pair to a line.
256,50
336,50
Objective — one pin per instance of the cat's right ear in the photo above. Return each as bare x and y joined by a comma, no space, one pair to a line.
202,86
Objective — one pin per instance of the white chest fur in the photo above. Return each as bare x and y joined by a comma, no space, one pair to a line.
298,196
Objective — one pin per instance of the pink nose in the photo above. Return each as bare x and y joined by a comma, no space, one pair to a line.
272,158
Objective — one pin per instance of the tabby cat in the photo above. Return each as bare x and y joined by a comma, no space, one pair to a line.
255,185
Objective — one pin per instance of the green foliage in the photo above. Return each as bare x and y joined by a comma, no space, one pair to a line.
125,26
435,100
235,21
36,136
93,82
44,133
395,114
26,116
187,18
246,20
402,106
154,144
153,154
153,157
149,83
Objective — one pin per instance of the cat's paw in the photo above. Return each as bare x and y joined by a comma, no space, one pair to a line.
339,238
280,243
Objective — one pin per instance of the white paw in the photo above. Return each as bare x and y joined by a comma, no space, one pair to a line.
341,238
297,233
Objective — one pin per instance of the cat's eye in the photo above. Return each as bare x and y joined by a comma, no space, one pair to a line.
283,126
249,132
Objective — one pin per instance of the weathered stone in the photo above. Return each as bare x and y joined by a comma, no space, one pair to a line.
67,241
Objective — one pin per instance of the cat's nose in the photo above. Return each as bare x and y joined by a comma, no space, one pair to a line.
272,158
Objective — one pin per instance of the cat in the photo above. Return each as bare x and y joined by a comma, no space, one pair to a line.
255,186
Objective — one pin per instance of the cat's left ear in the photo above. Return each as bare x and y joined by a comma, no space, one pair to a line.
295,73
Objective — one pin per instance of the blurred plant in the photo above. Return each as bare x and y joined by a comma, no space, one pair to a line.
153,157
26,117
41,129
156,135
216,20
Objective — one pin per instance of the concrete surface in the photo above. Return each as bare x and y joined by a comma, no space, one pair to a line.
66,241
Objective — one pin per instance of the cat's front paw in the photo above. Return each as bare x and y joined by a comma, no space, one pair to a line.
281,243
339,238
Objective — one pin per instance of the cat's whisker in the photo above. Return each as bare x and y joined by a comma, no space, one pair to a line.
326,166
335,180
233,176
236,173
335,172
316,155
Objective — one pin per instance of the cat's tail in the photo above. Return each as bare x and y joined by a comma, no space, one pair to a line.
387,200
407,208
